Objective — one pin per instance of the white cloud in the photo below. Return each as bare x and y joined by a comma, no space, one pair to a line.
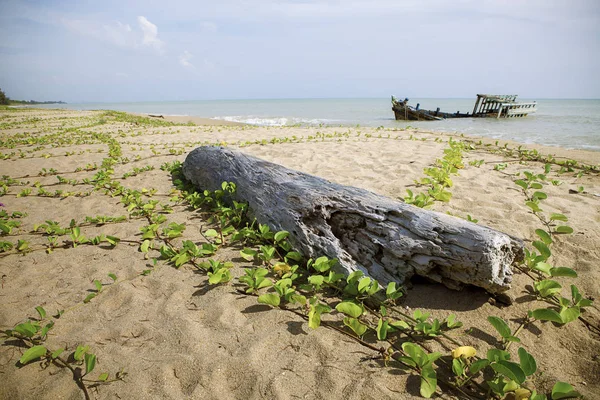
120,34
185,58
150,32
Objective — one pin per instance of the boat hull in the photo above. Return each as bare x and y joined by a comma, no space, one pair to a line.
486,106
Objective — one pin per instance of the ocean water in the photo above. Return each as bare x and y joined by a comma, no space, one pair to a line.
564,123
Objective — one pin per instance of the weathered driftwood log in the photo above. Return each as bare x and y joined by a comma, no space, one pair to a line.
386,239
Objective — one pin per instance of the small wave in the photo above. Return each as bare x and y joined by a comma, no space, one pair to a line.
275,121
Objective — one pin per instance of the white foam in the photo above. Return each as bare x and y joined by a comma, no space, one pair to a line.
274,121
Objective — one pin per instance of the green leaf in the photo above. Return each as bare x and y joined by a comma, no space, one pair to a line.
542,248
428,381
46,328
98,285
408,361
562,390
458,367
547,287
564,229
416,353
452,323
400,324
27,329
57,353
89,298
536,185
90,362
575,295
546,314
528,364
103,377
113,277
350,308
80,352
363,284
314,315
271,299
495,355
221,275
382,329
585,303
211,233
41,312
522,183
563,271
333,277
113,240
248,254
281,235
294,255
298,298
540,195
545,236
181,259
478,365
357,327
578,299
542,266
392,292
534,206
509,369
32,353
145,246
569,314
321,264
264,283
316,280
501,326
558,217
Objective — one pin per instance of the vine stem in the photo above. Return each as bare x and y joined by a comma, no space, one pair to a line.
519,329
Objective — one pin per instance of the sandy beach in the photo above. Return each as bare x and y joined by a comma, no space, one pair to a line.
178,337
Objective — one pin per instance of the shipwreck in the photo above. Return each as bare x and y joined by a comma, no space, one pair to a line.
486,106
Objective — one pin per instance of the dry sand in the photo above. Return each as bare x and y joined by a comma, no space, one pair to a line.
178,337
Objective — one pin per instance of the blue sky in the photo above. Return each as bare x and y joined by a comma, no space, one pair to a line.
235,49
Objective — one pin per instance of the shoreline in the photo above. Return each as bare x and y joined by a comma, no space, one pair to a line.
573,127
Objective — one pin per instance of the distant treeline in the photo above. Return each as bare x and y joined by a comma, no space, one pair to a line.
35,102
5,100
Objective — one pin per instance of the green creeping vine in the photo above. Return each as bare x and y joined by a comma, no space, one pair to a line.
438,177
32,334
537,266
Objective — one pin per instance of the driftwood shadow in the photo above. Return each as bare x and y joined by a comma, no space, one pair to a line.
434,296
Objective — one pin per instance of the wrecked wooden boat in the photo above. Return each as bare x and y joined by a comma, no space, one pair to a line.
486,105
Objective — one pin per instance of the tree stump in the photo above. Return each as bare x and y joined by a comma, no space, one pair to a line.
386,239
